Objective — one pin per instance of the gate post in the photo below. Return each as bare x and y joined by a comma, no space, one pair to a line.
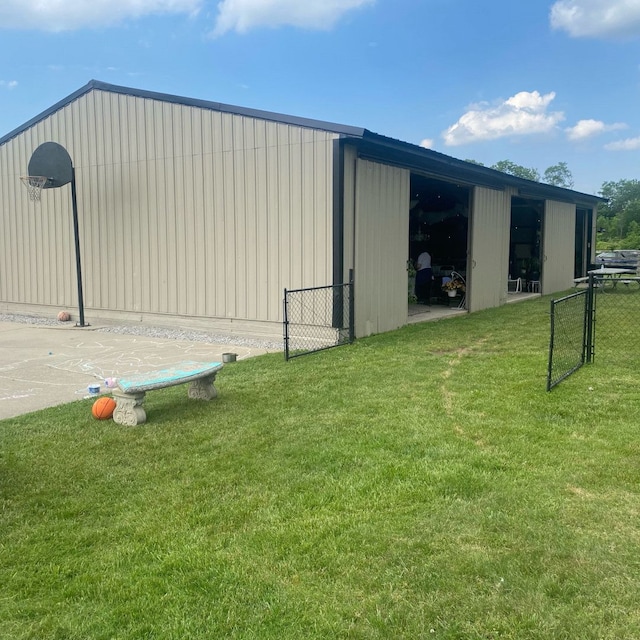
285,326
589,319
352,322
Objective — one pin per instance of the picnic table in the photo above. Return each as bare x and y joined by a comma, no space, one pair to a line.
611,276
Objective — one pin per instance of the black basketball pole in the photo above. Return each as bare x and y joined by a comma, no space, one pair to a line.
76,234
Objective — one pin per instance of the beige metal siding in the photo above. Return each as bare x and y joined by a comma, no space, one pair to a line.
558,246
183,211
381,247
490,221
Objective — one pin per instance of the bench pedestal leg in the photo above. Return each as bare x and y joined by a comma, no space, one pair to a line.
129,411
203,389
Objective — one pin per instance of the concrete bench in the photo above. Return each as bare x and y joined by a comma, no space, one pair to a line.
131,391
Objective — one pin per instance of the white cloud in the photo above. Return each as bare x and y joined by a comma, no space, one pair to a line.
244,15
64,15
630,144
8,84
588,128
525,113
233,15
427,143
597,18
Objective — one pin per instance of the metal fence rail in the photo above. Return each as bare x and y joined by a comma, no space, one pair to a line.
317,318
569,333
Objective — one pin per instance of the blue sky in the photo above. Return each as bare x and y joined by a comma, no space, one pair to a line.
536,82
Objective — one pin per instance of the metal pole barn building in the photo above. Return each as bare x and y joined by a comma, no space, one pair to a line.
195,213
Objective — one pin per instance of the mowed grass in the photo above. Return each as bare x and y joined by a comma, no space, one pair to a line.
417,484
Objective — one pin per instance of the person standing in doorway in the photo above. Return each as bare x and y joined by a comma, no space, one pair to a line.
424,277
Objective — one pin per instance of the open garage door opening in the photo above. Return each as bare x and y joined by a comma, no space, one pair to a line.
525,244
439,225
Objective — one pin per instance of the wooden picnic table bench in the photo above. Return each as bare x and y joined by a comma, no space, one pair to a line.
131,390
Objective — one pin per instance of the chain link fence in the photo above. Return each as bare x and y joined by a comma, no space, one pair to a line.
598,324
616,340
317,318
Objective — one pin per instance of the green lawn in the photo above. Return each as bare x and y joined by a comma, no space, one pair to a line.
418,484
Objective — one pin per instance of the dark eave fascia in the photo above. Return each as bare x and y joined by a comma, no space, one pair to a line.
369,144
228,108
309,123
439,165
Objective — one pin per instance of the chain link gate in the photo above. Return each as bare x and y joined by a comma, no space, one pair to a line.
569,336
317,318
601,319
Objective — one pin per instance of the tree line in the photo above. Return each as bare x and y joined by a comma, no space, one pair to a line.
558,175
618,219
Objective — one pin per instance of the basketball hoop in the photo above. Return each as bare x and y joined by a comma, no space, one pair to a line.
34,186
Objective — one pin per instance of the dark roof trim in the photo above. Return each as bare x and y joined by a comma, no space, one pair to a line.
45,114
373,145
440,165
189,102
428,163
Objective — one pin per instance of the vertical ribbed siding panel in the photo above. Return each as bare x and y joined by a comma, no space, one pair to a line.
217,233
196,240
264,239
14,206
381,251
230,211
89,192
290,279
295,218
558,247
182,211
490,223
144,270
8,195
253,239
310,234
168,240
320,182
155,255
275,279
182,216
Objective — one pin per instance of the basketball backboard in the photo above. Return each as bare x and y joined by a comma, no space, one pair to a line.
52,161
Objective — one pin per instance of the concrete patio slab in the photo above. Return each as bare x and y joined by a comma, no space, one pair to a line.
44,366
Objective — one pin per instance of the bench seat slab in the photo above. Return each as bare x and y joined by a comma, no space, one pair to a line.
179,374
131,391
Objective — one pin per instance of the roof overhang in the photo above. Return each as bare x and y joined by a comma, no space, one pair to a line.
438,165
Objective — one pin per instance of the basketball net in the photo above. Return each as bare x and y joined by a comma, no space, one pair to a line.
34,186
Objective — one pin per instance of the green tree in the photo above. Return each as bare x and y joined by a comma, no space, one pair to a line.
513,169
632,238
558,175
619,195
618,214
